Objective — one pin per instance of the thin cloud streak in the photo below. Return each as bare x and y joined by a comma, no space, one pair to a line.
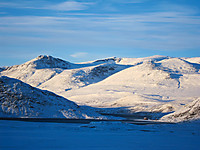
79,55
132,1
165,30
64,6
69,5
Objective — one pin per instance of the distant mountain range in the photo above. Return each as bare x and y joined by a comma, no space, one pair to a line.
151,84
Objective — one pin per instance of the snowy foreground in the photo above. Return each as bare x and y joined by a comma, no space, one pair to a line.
160,87
98,136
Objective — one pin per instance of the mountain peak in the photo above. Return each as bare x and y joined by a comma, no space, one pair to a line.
109,59
46,61
43,62
43,56
46,57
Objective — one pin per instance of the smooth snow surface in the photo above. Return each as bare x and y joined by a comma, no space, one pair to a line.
193,60
164,85
156,84
98,136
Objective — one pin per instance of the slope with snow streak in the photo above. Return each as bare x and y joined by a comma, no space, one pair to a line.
135,61
193,60
77,78
19,99
123,84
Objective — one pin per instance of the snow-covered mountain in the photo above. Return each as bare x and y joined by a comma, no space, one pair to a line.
50,73
19,99
193,60
159,84
190,112
3,68
38,70
151,84
43,62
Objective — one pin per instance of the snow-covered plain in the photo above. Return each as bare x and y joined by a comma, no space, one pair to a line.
98,136
157,84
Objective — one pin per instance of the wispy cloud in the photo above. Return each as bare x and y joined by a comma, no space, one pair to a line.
79,55
3,13
70,5
21,5
163,30
132,1
183,9
175,29
8,4
63,6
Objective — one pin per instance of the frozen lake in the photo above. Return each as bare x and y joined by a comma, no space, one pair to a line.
100,135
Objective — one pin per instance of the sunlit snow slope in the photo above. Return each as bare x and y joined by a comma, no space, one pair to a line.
19,99
151,84
156,84
47,72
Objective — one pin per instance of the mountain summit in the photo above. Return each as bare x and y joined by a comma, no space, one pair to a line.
38,70
43,62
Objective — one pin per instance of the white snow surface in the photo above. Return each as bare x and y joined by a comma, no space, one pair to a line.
19,99
190,112
193,60
51,73
99,136
151,84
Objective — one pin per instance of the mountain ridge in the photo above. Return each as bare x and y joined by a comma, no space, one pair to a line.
151,84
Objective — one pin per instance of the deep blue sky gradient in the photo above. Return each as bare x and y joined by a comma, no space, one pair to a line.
92,29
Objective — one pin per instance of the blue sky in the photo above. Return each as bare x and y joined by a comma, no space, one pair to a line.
83,30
